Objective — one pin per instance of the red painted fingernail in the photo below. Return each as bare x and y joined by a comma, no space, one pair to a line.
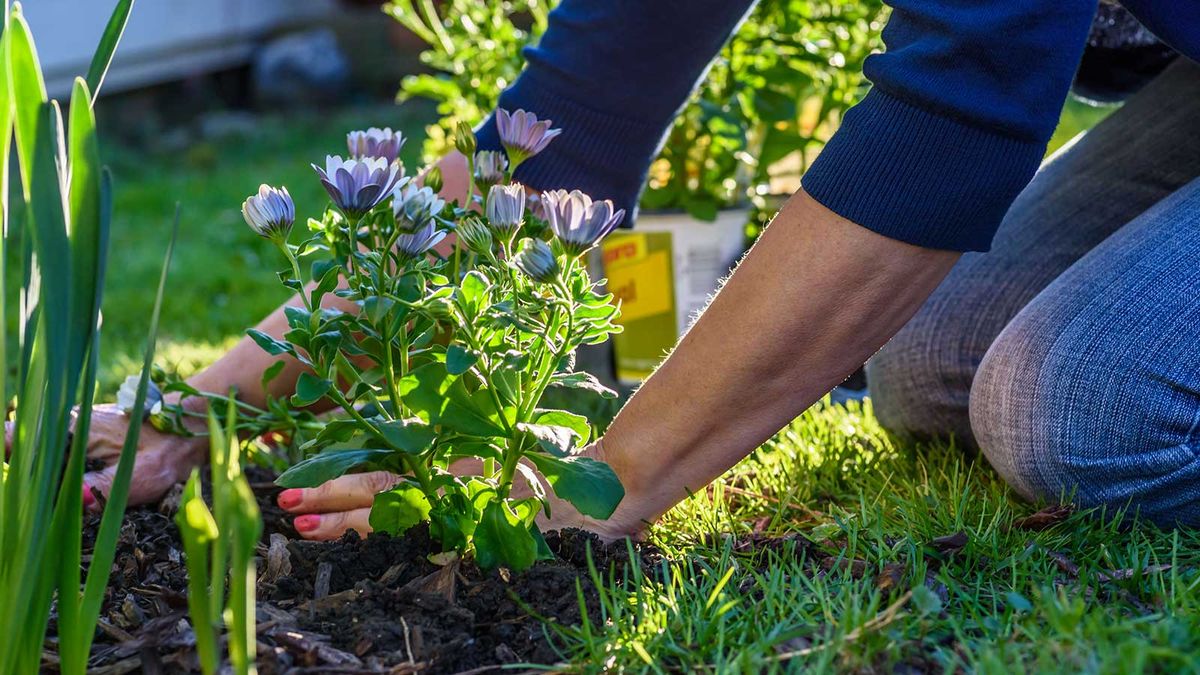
307,523
88,497
290,499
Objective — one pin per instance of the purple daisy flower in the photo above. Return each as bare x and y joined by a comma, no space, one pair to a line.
375,142
417,244
577,221
358,185
523,135
270,213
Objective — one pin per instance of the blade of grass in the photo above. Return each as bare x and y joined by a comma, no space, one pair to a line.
114,511
108,45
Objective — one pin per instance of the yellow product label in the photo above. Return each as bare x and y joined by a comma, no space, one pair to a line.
643,288
640,275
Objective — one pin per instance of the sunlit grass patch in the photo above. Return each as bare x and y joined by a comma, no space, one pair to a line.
907,560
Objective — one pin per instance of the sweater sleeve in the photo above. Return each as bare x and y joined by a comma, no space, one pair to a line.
963,103
613,74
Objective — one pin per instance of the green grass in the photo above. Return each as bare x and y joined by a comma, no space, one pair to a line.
1000,604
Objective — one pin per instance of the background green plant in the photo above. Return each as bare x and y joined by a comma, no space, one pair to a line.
61,224
770,101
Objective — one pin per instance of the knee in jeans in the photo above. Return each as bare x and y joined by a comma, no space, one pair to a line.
1053,434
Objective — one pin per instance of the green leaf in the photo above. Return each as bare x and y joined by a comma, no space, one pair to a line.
398,509
108,44
556,440
410,435
472,294
591,486
271,373
310,389
444,399
331,464
459,360
582,380
562,418
269,344
328,282
501,538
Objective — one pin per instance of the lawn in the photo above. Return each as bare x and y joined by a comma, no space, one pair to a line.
836,547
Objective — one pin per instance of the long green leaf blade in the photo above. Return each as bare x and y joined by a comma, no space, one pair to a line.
108,45
114,511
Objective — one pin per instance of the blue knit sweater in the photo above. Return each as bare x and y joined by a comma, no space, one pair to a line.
963,103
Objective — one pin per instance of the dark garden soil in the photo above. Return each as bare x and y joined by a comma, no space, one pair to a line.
350,606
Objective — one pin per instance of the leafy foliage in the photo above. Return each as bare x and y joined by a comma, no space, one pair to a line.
772,97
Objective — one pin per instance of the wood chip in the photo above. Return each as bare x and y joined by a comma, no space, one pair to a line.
1044,519
316,652
1118,575
950,544
321,584
891,578
443,582
279,561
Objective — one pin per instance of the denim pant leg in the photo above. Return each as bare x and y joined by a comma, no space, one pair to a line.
1093,390
920,381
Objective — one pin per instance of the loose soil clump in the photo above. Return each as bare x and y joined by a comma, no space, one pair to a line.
348,606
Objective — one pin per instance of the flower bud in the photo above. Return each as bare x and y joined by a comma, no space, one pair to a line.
491,168
433,179
535,259
270,213
464,139
506,207
475,235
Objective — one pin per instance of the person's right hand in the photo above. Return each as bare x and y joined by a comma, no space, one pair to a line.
162,460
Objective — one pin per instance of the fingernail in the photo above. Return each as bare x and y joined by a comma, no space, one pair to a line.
307,523
88,497
290,499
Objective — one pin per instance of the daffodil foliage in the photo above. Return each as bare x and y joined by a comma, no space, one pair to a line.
440,371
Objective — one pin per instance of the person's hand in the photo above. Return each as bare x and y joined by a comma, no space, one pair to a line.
162,460
329,510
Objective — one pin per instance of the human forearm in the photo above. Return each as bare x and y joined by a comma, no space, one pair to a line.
816,296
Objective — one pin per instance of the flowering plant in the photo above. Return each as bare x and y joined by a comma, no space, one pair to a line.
450,353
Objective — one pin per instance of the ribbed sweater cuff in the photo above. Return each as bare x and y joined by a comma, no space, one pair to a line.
921,177
603,155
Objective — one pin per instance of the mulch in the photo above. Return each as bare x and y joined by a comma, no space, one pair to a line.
349,606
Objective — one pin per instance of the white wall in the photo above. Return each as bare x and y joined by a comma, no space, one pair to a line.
165,39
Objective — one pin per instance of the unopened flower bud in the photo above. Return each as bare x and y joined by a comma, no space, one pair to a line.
433,179
535,259
464,139
506,207
475,235
270,213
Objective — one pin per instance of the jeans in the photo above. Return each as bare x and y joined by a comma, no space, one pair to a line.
1070,353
